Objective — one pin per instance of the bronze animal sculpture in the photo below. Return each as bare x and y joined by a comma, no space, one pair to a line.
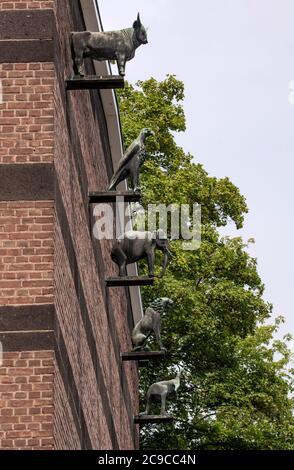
131,162
160,391
134,246
150,323
113,45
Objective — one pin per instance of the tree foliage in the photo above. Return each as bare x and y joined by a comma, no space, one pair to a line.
236,391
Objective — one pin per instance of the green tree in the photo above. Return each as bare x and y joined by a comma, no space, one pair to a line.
237,379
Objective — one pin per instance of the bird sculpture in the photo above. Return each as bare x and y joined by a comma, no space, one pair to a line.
130,164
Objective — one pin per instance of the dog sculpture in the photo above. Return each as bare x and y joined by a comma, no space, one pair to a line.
159,391
131,162
134,246
113,45
150,323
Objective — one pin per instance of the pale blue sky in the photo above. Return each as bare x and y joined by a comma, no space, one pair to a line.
236,58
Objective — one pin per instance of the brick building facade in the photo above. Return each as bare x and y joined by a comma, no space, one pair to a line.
62,383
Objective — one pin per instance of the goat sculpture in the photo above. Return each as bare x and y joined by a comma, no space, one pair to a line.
113,45
159,391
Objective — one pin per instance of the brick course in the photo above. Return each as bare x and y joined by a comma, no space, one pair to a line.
27,113
26,252
26,404
26,5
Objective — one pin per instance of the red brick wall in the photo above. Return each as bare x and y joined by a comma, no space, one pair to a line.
26,114
26,403
26,252
26,246
65,433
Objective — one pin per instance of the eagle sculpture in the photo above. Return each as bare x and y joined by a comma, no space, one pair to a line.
130,164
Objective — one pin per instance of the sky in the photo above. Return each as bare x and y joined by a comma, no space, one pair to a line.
236,59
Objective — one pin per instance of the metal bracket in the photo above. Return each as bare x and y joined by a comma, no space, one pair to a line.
96,197
93,82
142,355
153,419
126,281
